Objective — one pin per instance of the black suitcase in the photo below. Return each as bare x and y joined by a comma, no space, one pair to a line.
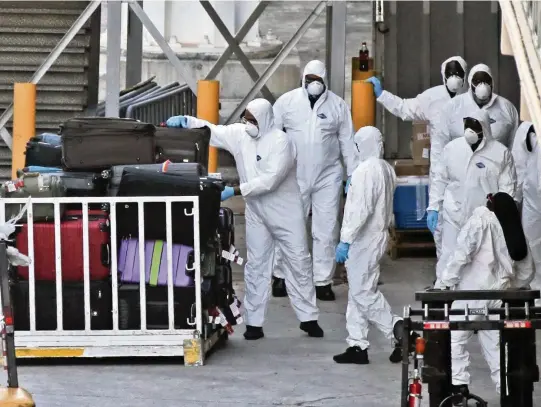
137,182
83,184
97,143
72,304
129,310
115,173
226,228
183,145
43,154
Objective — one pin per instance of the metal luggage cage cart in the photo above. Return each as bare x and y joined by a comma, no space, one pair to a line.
518,320
34,343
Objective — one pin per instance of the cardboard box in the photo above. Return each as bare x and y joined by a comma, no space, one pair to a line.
420,143
405,168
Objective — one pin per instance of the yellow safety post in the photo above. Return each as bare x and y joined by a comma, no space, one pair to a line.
24,123
15,397
363,104
208,108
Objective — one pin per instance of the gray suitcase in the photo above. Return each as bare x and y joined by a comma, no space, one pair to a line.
115,173
37,186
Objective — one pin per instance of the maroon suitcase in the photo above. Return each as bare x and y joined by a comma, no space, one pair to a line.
71,230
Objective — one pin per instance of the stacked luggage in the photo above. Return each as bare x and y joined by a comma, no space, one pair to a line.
93,157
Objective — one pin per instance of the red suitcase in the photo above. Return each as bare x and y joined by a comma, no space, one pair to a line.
71,230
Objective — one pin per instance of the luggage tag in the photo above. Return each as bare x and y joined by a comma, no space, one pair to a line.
235,309
215,175
193,350
224,322
233,255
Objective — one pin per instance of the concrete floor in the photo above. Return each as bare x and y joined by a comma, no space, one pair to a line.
286,368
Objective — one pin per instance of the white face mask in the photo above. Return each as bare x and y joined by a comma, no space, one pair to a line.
315,88
251,129
471,136
454,83
483,91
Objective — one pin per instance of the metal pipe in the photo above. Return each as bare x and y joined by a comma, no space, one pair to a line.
114,52
248,24
169,53
284,52
51,59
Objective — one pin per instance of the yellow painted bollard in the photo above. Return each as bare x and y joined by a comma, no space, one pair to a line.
208,108
363,104
24,123
15,397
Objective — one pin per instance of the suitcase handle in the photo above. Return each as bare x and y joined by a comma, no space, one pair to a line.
105,255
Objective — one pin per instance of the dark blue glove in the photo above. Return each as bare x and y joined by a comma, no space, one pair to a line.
342,251
378,89
432,220
227,193
178,122
347,185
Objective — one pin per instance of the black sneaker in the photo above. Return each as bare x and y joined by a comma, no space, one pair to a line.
353,355
312,328
398,329
279,287
325,293
460,392
253,333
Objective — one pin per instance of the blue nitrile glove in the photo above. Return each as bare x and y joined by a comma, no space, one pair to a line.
178,122
342,251
378,89
227,193
347,185
432,220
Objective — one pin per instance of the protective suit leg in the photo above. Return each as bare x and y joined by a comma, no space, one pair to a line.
536,282
325,228
365,302
449,234
291,239
438,235
278,271
258,269
490,345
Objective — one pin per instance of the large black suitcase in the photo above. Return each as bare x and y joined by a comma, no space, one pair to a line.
115,173
42,154
226,229
72,304
183,145
97,143
137,182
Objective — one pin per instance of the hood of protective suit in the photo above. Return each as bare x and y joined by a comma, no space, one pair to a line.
315,67
261,109
369,143
480,68
464,66
520,136
482,117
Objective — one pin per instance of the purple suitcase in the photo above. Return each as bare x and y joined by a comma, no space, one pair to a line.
128,263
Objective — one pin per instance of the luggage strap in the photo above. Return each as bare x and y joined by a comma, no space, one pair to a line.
156,260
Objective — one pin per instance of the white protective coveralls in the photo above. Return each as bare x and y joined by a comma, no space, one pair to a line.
367,216
481,261
321,135
426,107
504,118
465,178
274,213
531,206
520,156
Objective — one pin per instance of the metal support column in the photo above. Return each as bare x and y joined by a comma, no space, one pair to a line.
134,49
328,39
114,53
284,52
337,78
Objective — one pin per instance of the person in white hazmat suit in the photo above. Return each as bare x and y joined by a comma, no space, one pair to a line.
491,254
319,122
503,115
528,162
265,159
363,241
426,107
471,167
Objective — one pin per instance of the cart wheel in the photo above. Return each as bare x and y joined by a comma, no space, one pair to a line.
123,314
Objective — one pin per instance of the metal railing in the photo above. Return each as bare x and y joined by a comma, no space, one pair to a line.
90,342
533,14
157,109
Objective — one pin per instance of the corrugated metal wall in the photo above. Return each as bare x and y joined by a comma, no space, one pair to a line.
421,36
28,32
